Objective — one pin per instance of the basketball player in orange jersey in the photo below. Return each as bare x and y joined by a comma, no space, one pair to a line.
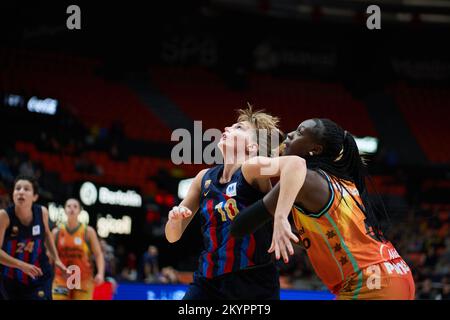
75,243
337,224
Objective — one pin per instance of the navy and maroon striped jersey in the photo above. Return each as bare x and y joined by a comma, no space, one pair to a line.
219,204
26,243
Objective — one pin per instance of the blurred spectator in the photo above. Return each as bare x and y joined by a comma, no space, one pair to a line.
5,171
168,276
426,291
84,165
121,256
27,168
443,264
114,152
110,259
4,199
129,272
445,290
151,264
431,257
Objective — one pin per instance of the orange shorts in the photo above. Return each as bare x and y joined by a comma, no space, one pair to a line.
61,292
389,280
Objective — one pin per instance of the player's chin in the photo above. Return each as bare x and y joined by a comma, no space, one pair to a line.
285,150
22,202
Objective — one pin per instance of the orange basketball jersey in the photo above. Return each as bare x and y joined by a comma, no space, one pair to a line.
73,249
336,239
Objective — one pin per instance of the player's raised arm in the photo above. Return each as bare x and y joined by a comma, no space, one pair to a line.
291,170
180,216
297,184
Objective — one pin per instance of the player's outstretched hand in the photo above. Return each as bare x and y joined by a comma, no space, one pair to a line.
281,239
179,213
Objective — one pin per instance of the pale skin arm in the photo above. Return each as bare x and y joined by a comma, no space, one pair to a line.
313,195
292,172
50,242
54,232
98,255
7,260
180,216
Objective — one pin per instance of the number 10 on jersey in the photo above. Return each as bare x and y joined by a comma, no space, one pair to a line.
227,208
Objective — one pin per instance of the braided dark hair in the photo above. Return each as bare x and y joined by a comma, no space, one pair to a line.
340,157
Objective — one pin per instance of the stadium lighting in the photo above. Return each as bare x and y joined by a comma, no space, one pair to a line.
183,187
367,145
107,225
45,106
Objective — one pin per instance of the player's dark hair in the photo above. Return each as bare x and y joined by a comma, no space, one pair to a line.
30,179
77,200
340,157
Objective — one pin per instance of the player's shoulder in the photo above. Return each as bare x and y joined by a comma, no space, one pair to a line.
3,213
200,175
38,207
4,217
89,229
90,233
202,172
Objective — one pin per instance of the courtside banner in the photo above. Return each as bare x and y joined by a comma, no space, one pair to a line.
142,291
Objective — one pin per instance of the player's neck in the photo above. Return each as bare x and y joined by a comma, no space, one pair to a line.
72,224
228,170
25,215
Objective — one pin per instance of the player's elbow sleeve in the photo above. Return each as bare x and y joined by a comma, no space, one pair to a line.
250,219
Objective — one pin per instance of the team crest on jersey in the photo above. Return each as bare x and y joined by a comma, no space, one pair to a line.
231,189
77,241
353,191
14,231
207,183
36,230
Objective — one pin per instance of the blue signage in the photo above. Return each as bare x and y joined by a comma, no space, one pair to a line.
139,291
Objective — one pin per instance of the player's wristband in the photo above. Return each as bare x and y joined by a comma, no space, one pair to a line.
250,219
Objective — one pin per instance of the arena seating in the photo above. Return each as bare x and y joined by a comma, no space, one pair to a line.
73,81
204,96
133,173
426,110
